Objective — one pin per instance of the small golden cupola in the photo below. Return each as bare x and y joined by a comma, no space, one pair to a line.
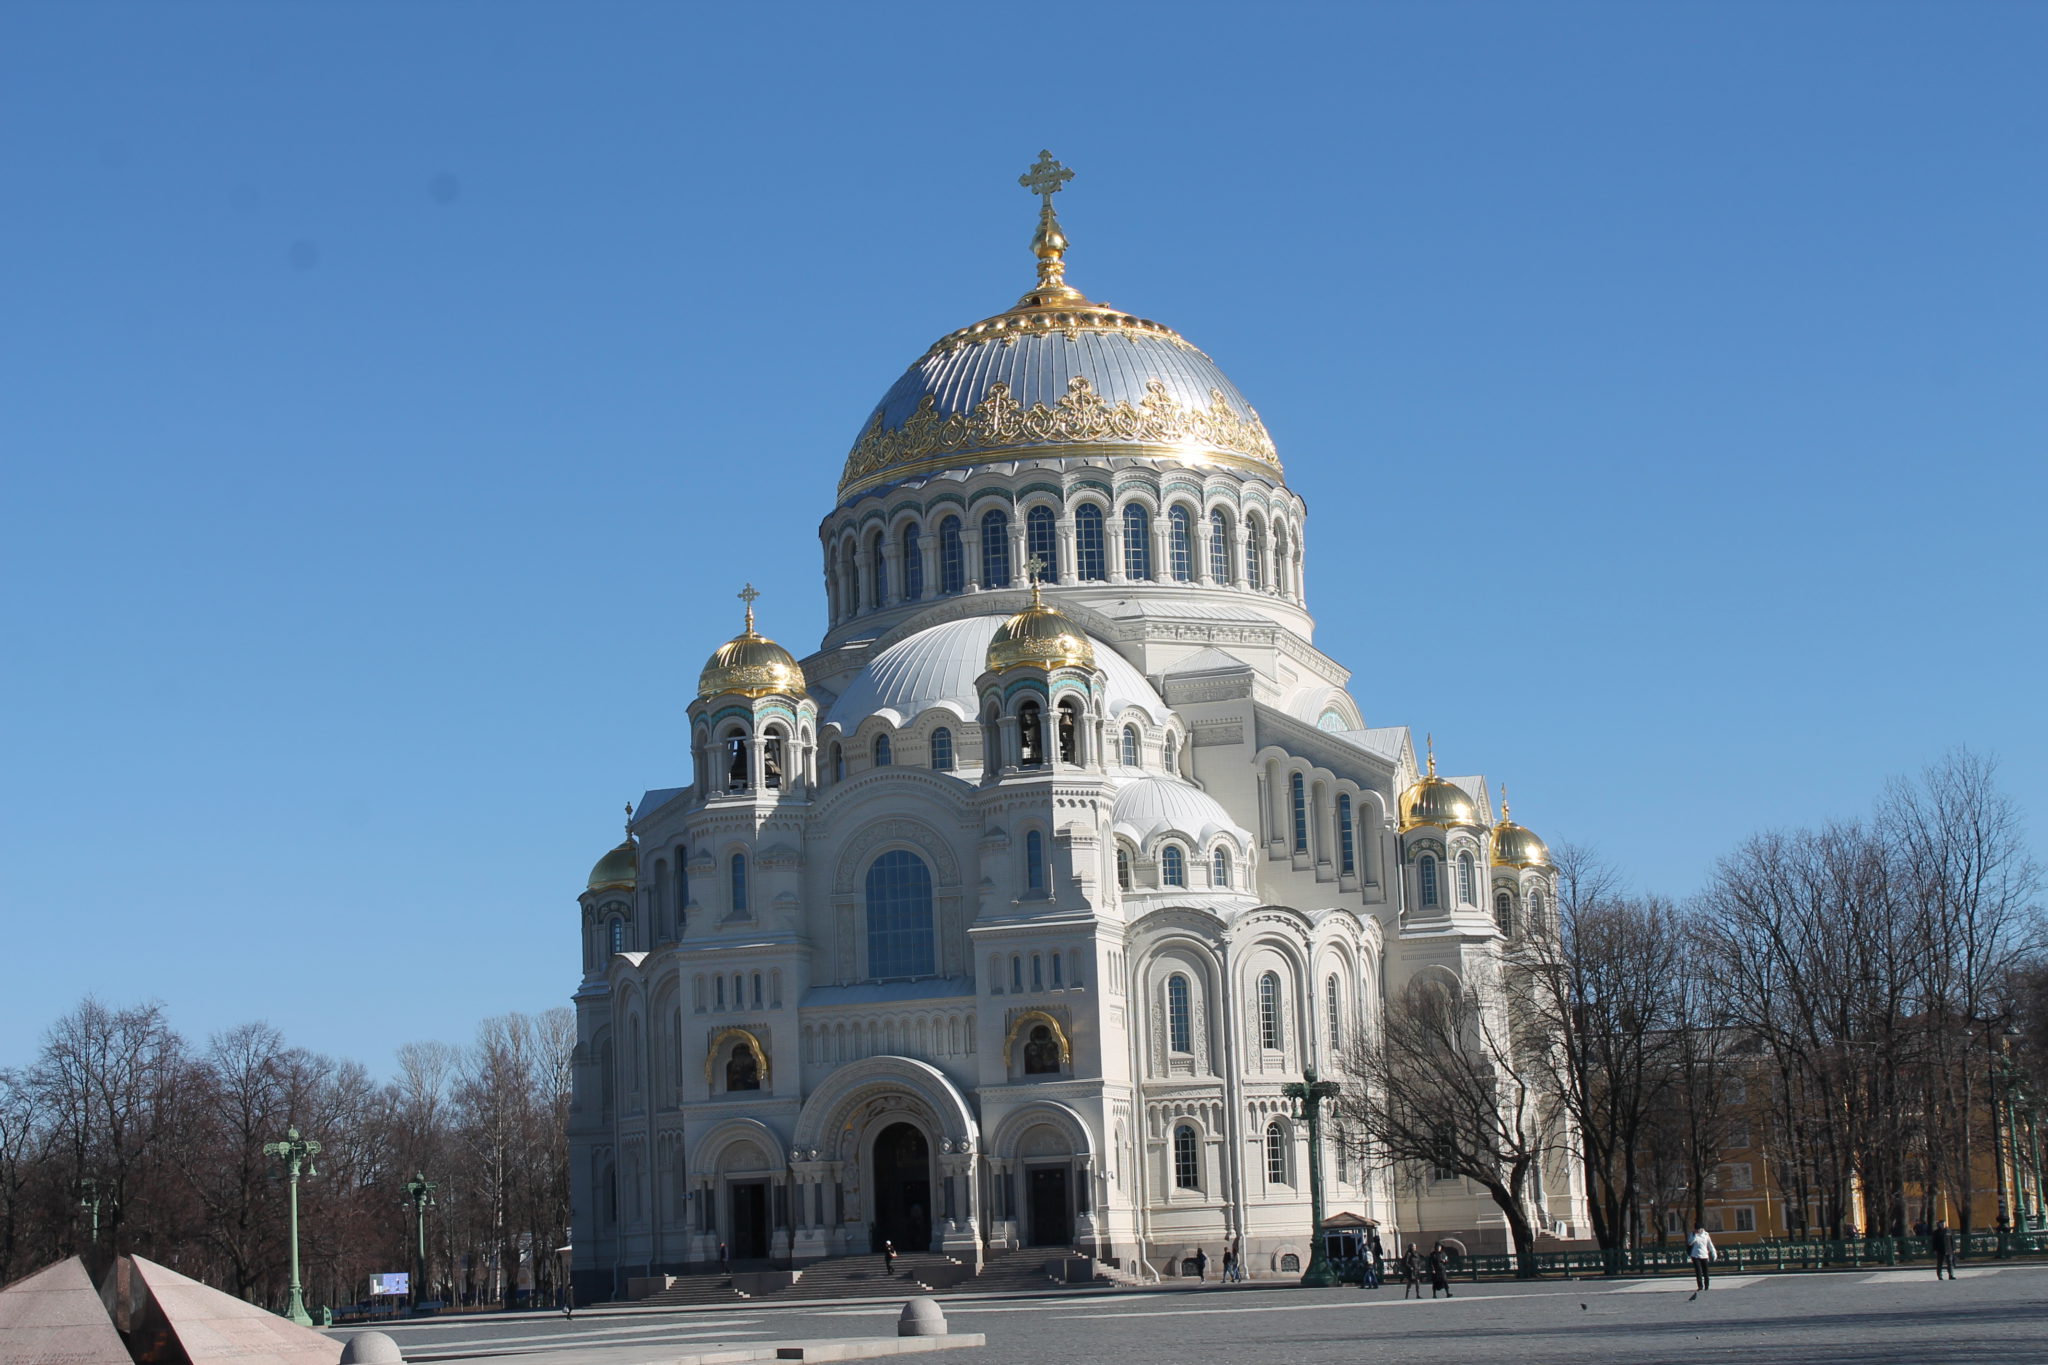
750,664
1514,846
1039,636
1436,801
619,869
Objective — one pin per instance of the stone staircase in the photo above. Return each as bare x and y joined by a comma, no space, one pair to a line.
695,1291
862,1277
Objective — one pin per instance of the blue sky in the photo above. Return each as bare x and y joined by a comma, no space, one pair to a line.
395,395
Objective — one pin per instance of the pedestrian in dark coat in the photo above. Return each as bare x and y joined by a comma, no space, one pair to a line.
1943,1239
1411,1272
1201,1265
889,1258
1439,1272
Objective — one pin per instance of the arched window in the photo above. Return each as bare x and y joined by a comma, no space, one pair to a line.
1016,972
1537,923
1037,972
1333,1006
771,759
913,565
995,550
1187,1173
1034,862
1219,867
739,883
1254,554
1041,1052
1281,573
1058,974
1504,912
1070,729
1091,559
1169,758
1180,555
1219,547
742,1072
884,752
1030,735
1347,849
942,749
1137,542
618,935
1173,866
1179,1017
1298,792
1269,1011
1042,543
1468,892
1129,753
1123,868
952,560
757,990
878,572
899,900
1425,876
838,763
850,576
721,991
1276,1154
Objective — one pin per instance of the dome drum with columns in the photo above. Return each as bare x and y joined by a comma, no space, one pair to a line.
1000,921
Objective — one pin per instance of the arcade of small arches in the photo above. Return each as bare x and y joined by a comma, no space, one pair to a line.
1222,536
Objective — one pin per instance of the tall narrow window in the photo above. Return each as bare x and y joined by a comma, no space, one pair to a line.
1137,543
1346,841
1034,862
878,571
618,936
1425,876
1504,912
1219,547
1180,556
1276,1154
1332,1006
1123,868
1173,867
838,763
851,575
952,560
1016,972
913,565
995,550
1179,1017
1169,756
1129,755
1281,571
1219,867
1269,1011
1254,555
1298,790
1030,735
1467,888
884,751
942,749
1037,972
1537,924
1042,543
1091,556
899,905
1186,1168
739,883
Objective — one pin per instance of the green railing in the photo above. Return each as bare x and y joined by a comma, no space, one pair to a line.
1743,1257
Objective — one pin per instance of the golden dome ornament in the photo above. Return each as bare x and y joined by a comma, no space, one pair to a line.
619,869
1436,801
750,664
1514,845
1039,636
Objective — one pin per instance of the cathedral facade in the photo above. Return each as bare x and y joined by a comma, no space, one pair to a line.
1002,918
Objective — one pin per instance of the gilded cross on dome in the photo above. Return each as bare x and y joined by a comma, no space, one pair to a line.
748,595
1046,178
1034,569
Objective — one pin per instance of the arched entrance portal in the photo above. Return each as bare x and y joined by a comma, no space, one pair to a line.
903,1187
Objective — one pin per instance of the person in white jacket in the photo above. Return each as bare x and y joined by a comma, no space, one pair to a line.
1701,1248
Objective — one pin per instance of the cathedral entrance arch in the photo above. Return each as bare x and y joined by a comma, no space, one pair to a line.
902,1166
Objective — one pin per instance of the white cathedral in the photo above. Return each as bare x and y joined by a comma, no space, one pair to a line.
1002,918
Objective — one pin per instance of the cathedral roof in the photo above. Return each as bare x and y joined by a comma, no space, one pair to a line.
616,870
938,666
1146,806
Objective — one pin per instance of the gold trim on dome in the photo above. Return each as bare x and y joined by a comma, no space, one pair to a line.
1080,416
1069,321
1039,636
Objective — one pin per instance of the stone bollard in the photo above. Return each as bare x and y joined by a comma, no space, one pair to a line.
921,1318
370,1348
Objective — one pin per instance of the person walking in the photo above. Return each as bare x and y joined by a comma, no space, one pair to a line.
1701,1248
1201,1265
1229,1265
888,1257
1411,1272
1375,1257
724,1265
1439,1272
1943,1239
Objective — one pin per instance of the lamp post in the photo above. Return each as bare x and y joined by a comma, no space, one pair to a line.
1309,1093
89,1200
297,1154
419,1192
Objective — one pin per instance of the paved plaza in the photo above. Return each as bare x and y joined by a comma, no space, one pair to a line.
1994,1313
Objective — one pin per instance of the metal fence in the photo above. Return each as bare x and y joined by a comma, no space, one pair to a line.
1745,1257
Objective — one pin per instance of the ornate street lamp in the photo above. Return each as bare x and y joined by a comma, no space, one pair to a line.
89,1199
297,1154
419,1192
1308,1093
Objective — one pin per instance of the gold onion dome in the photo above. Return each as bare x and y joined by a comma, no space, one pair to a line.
1436,801
1040,635
750,664
620,868
1514,845
1058,376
